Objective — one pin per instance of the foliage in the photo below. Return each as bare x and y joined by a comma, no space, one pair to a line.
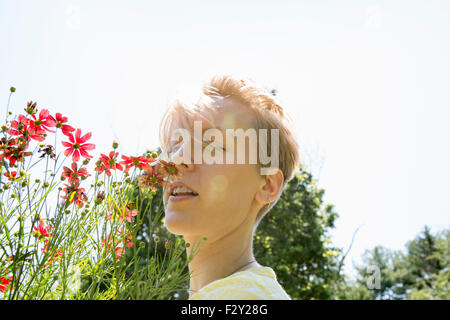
293,239
66,242
422,272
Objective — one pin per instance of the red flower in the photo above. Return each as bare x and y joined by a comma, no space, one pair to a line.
127,211
74,174
152,178
106,163
56,257
12,176
78,146
19,126
118,251
168,169
130,214
4,283
79,194
40,125
100,167
12,151
41,231
110,162
60,120
138,162
129,242
47,151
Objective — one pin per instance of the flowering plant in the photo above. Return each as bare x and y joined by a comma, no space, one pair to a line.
78,233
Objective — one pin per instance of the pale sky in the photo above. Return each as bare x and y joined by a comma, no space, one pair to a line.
367,83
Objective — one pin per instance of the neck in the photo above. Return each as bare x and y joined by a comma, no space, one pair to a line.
220,257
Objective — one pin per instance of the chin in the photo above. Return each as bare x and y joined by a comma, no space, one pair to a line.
177,222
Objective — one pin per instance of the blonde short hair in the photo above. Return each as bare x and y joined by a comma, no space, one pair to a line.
268,114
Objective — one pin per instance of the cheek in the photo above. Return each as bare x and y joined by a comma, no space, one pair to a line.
218,188
231,187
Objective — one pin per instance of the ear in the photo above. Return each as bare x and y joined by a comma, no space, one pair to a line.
270,187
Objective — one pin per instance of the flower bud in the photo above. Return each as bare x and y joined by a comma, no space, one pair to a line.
86,161
115,144
12,89
156,239
100,197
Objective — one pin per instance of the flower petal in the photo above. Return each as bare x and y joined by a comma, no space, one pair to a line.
66,144
78,135
85,154
88,146
85,138
76,156
68,152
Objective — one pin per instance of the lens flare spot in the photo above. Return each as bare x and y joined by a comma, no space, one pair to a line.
229,121
219,183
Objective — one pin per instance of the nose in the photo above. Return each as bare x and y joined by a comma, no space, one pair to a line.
182,162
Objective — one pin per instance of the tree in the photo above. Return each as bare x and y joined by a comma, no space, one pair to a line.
422,272
293,239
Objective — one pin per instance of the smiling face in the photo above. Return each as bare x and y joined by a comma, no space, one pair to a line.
226,192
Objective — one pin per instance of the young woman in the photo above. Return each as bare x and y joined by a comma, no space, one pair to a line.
225,200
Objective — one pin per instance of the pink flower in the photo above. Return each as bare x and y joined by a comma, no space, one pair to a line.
74,174
78,146
41,231
40,125
60,120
